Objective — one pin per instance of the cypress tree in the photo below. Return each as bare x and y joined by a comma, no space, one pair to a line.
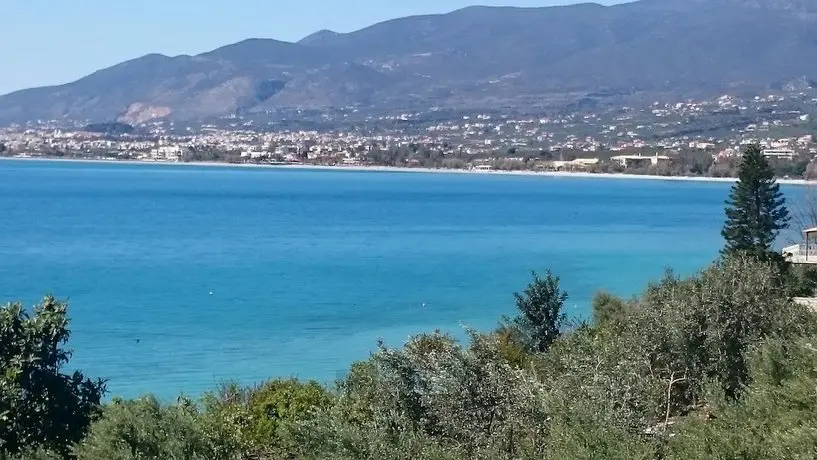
756,209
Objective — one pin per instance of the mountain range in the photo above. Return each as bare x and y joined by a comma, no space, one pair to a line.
477,57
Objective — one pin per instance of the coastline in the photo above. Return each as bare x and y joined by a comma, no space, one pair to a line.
395,169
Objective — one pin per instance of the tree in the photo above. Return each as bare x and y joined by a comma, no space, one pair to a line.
39,405
431,397
774,419
541,316
756,209
704,326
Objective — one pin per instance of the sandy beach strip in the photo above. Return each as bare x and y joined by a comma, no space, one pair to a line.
394,169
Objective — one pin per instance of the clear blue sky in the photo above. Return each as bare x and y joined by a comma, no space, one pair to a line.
46,42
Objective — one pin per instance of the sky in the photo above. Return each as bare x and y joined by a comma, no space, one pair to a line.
46,42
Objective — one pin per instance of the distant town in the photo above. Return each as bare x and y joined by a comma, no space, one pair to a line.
690,138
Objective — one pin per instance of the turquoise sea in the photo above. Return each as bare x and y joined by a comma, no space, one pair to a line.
182,277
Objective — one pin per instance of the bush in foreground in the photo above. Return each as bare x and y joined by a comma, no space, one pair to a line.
434,395
261,421
774,420
712,366
146,429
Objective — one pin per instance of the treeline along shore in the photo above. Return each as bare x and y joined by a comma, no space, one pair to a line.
721,364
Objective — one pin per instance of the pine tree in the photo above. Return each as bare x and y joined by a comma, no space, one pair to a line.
756,209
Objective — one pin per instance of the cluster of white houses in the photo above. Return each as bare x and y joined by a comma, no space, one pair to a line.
625,161
638,160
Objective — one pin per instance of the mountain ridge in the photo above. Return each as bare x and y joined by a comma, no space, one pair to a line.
473,57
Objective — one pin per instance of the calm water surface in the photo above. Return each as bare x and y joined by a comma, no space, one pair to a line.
234,273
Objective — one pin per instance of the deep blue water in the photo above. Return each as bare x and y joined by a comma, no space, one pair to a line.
307,269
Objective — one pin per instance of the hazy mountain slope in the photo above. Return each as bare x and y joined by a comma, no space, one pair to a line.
246,73
477,56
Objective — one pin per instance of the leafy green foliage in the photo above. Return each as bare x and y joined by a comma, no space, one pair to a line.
605,372
801,280
39,405
433,396
775,419
612,390
541,316
578,434
756,210
703,327
146,429
33,454
611,383
261,420
607,307
282,402
512,349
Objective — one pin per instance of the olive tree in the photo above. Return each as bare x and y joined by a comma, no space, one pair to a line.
434,398
774,419
703,327
145,429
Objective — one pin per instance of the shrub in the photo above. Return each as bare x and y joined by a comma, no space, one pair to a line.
261,420
774,420
34,454
608,308
145,429
512,349
703,327
579,434
801,280
430,397
673,374
280,404
604,371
